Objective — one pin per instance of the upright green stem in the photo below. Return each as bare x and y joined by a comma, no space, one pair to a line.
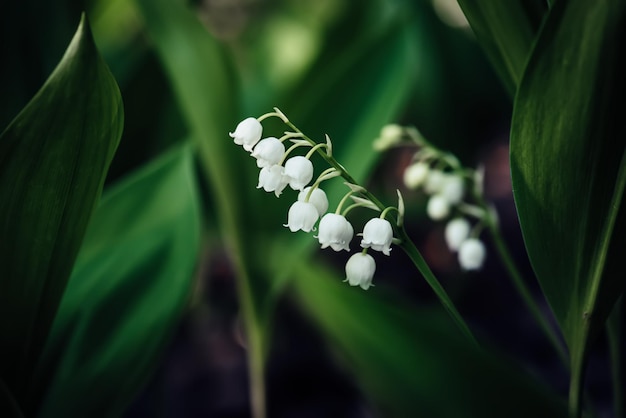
525,294
578,364
409,248
614,336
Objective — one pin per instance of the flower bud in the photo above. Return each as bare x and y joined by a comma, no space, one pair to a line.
247,133
472,254
415,175
389,136
438,208
360,270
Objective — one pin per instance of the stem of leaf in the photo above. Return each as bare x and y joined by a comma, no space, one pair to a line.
409,248
576,381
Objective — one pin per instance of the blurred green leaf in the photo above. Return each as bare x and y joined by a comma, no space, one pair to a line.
506,30
131,283
53,160
568,165
414,362
359,84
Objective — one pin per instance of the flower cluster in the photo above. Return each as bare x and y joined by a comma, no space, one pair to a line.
442,178
279,170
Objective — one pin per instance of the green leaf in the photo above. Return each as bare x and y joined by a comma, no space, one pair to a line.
414,362
506,30
568,165
53,160
131,283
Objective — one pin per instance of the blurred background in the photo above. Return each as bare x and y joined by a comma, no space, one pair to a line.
416,63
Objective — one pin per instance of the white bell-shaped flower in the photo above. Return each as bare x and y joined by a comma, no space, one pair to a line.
318,198
271,179
360,270
377,235
472,254
268,152
457,231
247,133
438,207
415,175
335,232
302,216
298,171
435,181
453,188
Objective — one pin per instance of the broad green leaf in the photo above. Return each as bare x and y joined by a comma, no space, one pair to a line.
129,288
506,30
53,160
413,362
568,165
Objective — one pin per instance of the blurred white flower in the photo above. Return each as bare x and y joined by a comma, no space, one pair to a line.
438,207
435,181
318,198
415,175
389,135
298,172
360,270
268,152
457,231
472,254
271,179
247,133
377,234
302,216
335,231
453,188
